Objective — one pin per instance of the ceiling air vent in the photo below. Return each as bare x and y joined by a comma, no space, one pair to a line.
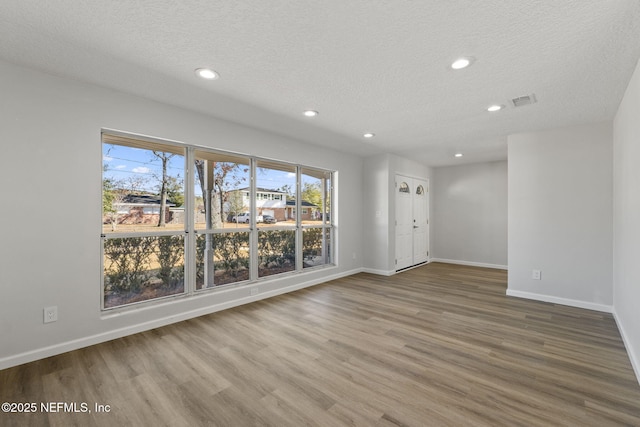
521,101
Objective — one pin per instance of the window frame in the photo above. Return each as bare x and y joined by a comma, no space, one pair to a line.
327,181
142,142
191,233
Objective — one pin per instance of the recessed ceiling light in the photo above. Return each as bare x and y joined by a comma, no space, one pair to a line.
458,155
207,73
369,135
310,113
495,107
461,63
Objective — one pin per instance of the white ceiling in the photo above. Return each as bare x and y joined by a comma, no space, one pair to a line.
377,66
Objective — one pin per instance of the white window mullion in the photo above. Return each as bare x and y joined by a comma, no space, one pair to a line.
331,224
323,198
189,209
102,237
253,230
299,230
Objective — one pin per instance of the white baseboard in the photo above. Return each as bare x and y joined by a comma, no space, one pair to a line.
562,301
470,263
379,272
41,353
633,357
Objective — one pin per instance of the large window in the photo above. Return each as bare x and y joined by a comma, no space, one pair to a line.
177,219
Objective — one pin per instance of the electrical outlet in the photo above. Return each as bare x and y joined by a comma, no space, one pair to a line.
254,291
50,314
536,274
355,256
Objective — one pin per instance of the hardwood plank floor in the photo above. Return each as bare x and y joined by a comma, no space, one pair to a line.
436,345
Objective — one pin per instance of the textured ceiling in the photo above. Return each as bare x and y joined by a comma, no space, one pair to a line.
365,65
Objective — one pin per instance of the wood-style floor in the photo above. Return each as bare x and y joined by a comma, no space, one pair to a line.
436,345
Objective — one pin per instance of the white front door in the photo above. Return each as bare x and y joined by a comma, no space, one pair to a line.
404,223
420,221
412,221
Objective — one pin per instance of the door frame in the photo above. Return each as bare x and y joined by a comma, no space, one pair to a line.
412,181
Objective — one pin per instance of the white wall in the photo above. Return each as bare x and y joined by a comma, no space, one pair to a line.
560,215
379,208
626,214
469,222
50,168
376,211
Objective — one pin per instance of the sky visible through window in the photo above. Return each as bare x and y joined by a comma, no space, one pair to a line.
139,169
136,167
